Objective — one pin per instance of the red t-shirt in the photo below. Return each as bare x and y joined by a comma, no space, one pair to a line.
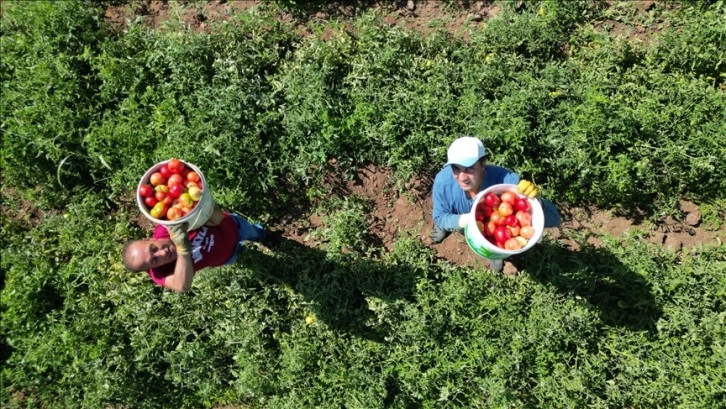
211,246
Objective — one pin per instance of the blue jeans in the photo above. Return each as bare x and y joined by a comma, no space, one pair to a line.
245,231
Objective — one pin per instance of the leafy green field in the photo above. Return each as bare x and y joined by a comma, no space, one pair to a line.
595,119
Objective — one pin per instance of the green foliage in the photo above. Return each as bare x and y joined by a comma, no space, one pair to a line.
49,91
539,30
266,114
695,46
346,225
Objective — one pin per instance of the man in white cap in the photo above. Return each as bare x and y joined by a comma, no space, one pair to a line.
464,175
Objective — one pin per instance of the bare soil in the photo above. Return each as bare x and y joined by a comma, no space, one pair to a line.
394,215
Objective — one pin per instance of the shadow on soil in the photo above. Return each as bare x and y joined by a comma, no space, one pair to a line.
622,297
339,285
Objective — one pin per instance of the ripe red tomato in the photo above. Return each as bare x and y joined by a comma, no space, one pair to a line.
479,216
146,191
505,209
509,197
489,229
175,165
497,218
522,204
173,213
164,170
193,176
527,232
162,192
502,234
491,200
150,201
176,190
175,179
512,244
157,179
511,221
524,218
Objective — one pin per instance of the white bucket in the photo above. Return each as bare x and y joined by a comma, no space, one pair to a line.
197,217
483,247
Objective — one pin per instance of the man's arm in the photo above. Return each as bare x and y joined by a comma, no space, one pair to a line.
443,218
181,279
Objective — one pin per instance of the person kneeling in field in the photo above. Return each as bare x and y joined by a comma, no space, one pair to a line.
465,174
173,255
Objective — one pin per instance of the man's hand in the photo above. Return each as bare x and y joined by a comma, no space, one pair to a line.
464,219
527,188
178,235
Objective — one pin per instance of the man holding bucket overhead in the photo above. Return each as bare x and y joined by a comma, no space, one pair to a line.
465,174
173,255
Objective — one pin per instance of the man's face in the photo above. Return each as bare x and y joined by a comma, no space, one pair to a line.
147,254
469,178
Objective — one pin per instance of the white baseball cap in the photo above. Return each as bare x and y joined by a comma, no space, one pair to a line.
465,151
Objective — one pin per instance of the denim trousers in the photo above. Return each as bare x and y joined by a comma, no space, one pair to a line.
245,231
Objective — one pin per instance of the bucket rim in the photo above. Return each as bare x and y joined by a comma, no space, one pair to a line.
206,194
534,204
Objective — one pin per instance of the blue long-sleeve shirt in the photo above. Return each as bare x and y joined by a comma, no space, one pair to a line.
450,201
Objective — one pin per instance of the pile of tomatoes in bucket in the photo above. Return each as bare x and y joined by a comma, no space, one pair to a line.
170,190
505,220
